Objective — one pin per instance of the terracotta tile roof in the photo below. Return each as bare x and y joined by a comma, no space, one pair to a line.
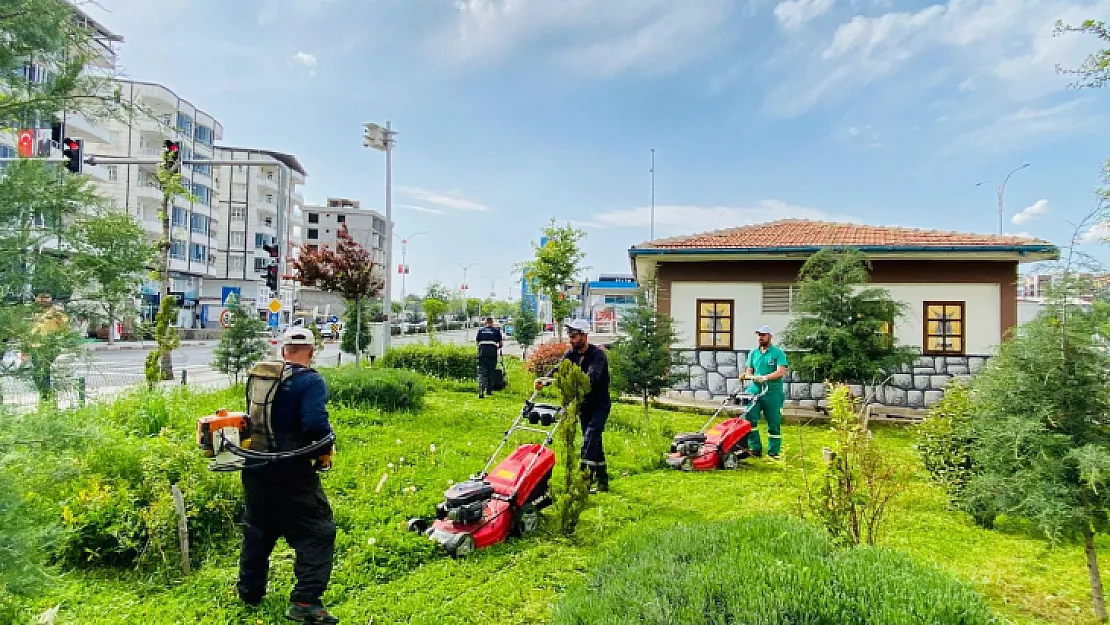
803,233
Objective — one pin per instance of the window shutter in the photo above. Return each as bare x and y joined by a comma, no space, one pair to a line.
777,298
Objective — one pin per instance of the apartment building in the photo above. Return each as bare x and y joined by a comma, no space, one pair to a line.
321,228
257,205
159,114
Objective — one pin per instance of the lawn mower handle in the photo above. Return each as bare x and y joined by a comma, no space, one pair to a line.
731,397
538,385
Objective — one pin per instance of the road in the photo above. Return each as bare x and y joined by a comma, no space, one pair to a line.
106,372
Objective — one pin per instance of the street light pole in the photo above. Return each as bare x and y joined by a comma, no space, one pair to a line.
1001,191
653,194
405,267
381,139
466,287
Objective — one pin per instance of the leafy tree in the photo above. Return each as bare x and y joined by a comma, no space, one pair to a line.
438,290
641,357
1095,70
45,30
172,187
473,307
845,332
525,327
116,255
166,340
348,270
555,264
356,331
47,337
242,344
433,308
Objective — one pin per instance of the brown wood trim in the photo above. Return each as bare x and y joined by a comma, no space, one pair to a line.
731,324
925,327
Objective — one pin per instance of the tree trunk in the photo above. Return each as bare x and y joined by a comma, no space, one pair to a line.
647,416
111,324
164,269
1096,578
358,333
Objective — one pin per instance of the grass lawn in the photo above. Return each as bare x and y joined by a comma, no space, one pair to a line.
386,575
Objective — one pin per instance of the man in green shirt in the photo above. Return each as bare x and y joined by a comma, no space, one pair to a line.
766,365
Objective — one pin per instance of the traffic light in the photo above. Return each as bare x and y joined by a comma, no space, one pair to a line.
171,157
272,250
271,277
71,150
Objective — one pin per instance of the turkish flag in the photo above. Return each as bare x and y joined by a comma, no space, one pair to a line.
26,143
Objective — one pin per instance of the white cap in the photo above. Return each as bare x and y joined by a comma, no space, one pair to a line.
581,325
764,330
298,336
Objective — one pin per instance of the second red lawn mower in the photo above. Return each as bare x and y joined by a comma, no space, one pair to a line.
721,447
493,505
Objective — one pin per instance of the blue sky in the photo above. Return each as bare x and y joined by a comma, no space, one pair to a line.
512,112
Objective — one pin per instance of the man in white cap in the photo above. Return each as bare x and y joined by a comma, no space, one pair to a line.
594,411
766,365
285,498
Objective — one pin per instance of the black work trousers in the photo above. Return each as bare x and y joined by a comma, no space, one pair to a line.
592,419
286,502
486,364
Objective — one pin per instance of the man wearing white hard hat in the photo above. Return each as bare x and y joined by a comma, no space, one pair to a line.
594,411
766,366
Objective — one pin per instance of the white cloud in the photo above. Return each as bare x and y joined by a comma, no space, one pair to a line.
852,130
305,62
1008,43
598,39
1099,233
1028,125
420,209
451,200
1040,207
674,219
968,84
793,15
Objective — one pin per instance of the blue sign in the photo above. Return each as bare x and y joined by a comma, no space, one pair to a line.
275,319
227,291
333,319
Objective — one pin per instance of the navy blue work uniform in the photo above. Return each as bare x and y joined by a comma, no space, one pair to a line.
489,340
594,412
285,498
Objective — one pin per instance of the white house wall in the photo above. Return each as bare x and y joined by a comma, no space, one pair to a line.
982,305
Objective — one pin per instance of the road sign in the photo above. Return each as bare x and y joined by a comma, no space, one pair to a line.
230,294
333,319
275,306
274,319
26,143
225,318
335,329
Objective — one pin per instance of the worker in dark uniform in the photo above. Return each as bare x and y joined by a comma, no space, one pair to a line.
489,341
595,408
285,498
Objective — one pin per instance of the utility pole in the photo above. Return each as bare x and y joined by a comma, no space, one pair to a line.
1001,191
381,139
653,194
464,289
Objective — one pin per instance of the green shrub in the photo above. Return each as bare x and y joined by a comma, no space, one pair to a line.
945,441
763,569
455,362
381,388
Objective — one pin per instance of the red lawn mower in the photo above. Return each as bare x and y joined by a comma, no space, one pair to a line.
491,506
721,447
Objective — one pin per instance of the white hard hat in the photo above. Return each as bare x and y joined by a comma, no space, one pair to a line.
764,330
298,336
580,325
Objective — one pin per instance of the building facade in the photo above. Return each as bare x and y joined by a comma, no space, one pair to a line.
959,291
320,228
256,205
158,114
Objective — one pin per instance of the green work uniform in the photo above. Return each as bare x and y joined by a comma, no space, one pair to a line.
770,405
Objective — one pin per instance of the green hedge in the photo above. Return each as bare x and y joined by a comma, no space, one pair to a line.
456,362
381,388
764,569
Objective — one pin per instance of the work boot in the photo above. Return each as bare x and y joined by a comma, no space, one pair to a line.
309,613
251,599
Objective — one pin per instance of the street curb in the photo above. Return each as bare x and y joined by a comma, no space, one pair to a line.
104,347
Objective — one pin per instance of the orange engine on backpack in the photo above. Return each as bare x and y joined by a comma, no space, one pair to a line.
210,424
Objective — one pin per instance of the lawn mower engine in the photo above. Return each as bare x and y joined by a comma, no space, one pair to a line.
465,502
719,447
215,432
